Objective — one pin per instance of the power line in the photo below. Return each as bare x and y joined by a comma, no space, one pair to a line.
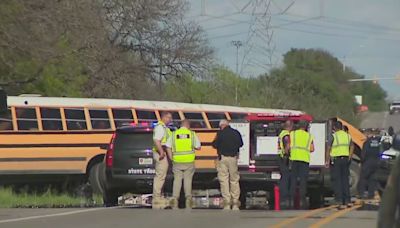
358,23
227,35
224,26
330,20
280,26
326,26
334,35
345,22
211,17
309,32
223,17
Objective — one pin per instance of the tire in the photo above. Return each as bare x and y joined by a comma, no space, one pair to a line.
110,198
242,199
96,178
355,170
316,198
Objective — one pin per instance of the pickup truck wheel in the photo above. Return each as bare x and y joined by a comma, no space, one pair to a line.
96,178
316,198
242,199
110,198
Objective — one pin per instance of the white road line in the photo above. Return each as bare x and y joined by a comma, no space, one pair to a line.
55,215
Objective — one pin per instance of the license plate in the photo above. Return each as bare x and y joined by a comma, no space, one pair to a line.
275,176
145,161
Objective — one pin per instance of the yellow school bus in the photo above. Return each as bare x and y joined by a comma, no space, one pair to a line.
59,139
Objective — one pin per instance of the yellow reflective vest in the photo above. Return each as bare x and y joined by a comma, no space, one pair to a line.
341,144
300,145
167,134
281,146
183,146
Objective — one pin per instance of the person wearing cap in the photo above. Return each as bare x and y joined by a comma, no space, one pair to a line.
301,147
339,153
228,141
284,147
181,148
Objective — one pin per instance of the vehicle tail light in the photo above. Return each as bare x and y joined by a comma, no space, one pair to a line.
110,153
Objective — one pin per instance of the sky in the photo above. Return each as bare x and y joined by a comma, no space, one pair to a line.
363,34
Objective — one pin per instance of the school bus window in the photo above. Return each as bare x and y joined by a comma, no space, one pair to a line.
214,118
196,119
99,119
26,119
122,116
6,121
145,116
51,119
75,119
237,116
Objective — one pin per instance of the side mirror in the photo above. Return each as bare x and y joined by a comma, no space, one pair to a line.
396,142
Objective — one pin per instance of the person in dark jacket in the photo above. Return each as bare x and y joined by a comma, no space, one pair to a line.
369,164
228,142
389,209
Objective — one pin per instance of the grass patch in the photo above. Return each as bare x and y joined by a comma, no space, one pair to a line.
48,199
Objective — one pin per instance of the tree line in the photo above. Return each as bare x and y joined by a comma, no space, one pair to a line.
148,49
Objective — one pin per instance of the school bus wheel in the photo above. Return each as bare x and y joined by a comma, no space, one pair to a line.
96,178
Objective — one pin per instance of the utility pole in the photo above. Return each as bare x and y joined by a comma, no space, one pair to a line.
237,44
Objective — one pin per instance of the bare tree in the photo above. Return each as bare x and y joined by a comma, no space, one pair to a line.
156,31
121,46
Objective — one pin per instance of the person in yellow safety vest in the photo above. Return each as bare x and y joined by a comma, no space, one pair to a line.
161,133
284,147
301,146
339,153
181,148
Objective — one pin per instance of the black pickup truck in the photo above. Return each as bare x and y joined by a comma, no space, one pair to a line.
129,166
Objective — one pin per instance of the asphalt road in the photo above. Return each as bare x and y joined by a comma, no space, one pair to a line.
144,218
380,120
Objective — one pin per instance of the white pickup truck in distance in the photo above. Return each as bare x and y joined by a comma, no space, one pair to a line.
394,107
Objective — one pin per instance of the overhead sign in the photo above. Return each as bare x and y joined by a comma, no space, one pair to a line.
244,153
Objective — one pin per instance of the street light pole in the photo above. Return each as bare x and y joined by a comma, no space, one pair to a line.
237,44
